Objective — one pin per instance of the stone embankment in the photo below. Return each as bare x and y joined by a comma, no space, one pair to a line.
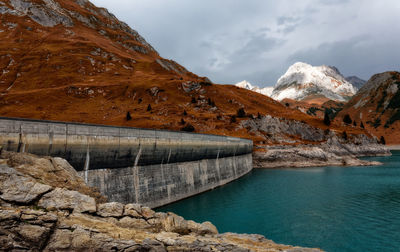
335,152
46,206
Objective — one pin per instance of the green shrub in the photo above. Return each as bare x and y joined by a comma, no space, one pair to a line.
188,128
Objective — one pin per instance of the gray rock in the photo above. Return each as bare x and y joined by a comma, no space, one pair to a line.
280,128
147,212
203,228
50,14
113,209
14,187
33,233
133,210
128,222
62,199
175,223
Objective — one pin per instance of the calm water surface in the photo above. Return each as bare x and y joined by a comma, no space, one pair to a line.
333,208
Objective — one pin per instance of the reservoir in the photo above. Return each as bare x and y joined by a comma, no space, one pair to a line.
332,208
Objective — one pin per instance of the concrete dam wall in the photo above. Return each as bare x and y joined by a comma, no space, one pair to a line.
151,167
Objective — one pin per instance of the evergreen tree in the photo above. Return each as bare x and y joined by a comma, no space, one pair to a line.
128,116
149,107
327,119
362,125
383,141
241,113
347,119
188,128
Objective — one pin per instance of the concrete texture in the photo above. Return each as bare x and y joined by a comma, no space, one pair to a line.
157,185
151,167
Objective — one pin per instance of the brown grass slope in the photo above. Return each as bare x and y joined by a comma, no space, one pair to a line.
93,68
377,105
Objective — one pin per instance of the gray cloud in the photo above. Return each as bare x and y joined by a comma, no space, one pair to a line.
229,41
363,55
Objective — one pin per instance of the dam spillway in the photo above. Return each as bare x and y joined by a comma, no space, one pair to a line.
131,165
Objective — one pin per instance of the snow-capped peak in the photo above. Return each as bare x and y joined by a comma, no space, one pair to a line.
247,85
244,84
302,81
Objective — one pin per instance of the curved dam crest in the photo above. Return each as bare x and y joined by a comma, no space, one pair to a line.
131,165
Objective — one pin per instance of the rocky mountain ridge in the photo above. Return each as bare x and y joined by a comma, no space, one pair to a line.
377,106
356,82
303,81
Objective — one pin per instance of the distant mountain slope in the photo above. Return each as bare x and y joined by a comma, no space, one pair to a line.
377,105
356,82
69,60
304,82
247,85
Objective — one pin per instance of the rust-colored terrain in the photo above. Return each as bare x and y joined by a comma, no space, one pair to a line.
377,106
71,61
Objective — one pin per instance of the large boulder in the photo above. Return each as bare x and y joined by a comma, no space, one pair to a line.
62,199
112,209
14,187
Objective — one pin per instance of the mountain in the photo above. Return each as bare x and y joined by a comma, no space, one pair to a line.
68,60
377,106
356,82
267,91
303,82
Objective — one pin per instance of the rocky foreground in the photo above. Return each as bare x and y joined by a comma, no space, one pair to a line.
335,152
45,205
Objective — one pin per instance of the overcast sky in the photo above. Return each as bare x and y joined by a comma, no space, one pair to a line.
257,40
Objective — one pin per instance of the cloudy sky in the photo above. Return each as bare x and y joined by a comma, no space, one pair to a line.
257,40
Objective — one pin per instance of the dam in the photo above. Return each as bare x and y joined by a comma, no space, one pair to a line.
132,165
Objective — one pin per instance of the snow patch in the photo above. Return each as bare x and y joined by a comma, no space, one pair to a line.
267,91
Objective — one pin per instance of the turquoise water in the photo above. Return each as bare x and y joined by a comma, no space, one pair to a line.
333,208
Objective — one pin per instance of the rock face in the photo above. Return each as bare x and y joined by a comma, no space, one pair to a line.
281,130
291,143
50,218
334,152
377,106
305,82
356,82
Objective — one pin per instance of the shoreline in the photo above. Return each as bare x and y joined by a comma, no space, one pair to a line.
296,165
323,155
393,147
